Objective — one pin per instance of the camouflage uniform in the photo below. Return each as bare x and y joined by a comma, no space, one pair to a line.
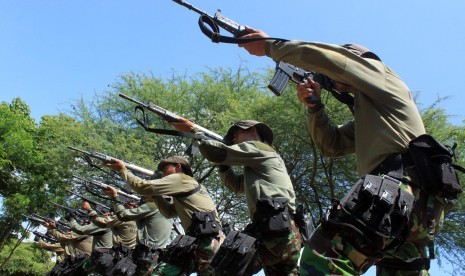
264,176
385,121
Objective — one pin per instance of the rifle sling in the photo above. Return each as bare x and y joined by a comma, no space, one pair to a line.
217,38
171,132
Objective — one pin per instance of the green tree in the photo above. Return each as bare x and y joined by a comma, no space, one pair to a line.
28,259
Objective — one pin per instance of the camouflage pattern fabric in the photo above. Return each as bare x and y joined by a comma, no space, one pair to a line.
207,247
278,255
343,251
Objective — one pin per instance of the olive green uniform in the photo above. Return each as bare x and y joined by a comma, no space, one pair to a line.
182,207
385,120
53,247
151,224
101,259
264,176
124,232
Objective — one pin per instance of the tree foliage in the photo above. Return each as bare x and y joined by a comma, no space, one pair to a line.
37,166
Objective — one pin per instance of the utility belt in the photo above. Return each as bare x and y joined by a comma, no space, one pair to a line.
235,254
121,250
146,251
203,224
433,164
271,217
181,252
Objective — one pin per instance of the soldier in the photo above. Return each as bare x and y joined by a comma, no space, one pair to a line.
267,187
194,207
153,229
101,259
394,230
77,249
124,232
55,248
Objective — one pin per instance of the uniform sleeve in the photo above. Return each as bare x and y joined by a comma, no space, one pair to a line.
233,181
333,141
166,208
106,222
138,213
55,247
163,186
88,229
243,154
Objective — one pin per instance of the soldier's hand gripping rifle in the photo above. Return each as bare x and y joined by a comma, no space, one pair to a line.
76,212
169,117
99,207
283,71
131,197
44,237
60,225
107,158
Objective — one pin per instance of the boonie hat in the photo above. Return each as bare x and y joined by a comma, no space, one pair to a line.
360,50
263,130
176,160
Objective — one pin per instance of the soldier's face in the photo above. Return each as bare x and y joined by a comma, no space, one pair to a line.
169,169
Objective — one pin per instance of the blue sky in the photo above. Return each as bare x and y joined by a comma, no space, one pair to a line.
53,52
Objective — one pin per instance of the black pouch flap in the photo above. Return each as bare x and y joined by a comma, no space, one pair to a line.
433,161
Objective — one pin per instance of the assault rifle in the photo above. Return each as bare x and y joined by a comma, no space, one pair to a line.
284,72
99,207
106,158
77,212
44,237
34,219
61,226
103,186
170,117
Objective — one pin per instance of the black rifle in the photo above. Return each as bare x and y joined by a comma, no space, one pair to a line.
99,207
170,117
44,237
131,197
80,213
284,72
34,219
108,158
61,226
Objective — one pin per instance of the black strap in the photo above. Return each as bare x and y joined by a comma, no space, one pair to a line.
188,193
214,33
171,132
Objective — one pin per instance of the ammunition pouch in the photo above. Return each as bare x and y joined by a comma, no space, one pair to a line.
145,252
203,224
434,166
102,261
271,217
235,254
181,252
379,205
124,267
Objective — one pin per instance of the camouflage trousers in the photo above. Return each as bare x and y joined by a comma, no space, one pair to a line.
342,251
278,255
206,249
